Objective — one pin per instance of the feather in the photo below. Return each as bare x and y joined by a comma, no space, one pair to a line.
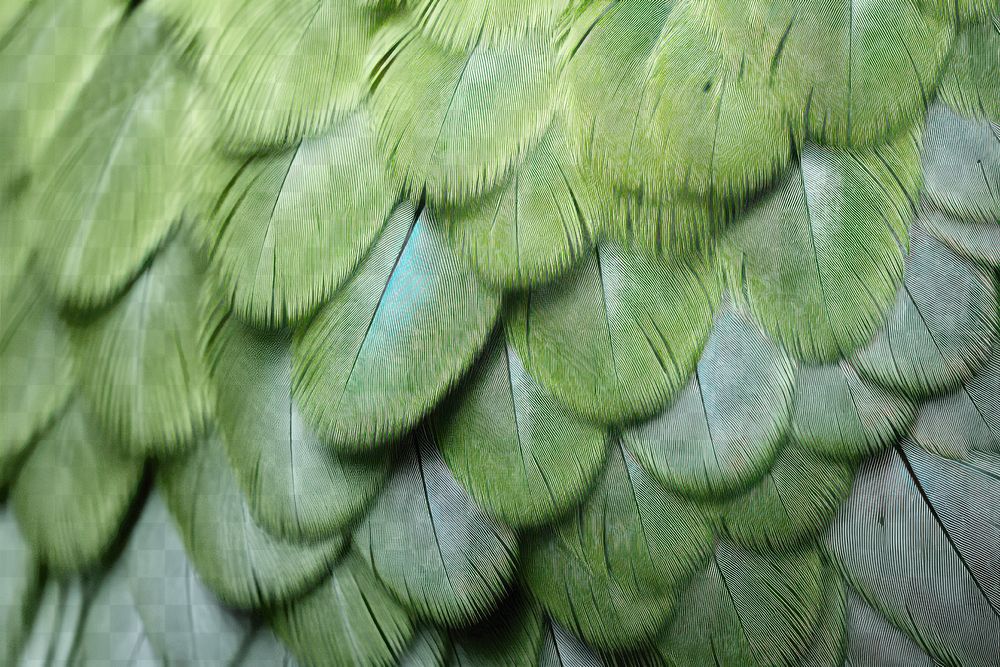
969,84
562,649
393,340
829,641
617,338
275,72
724,428
16,244
511,636
441,555
873,640
966,420
513,445
61,610
429,648
455,124
706,125
857,71
350,619
162,583
137,362
111,182
294,485
290,226
941,328
979,241
462,24
44,63
961,493
243,564
21,580
897,542
746,608
11,15
820,258
605,55
36,377
532,227
838,413
792,505
111,631
610,572
962,11
675,223
655,107
73,493
962,165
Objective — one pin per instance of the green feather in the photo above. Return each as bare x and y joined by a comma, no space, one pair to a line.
969,84
294,484
706,124
840,414
820,257
455,124
791,505
275,72
962,165
61,611
21,580
857,72
111,182
513,445
748,609
44,64
431,545
393,340
36,377
350,619
16,244
290,226
138,364
429,648
562,649
656,107
511,636
962,11
611,571
941,328
618,337
829,642
244,565
73,492
462,24
723,430
534,226
11,14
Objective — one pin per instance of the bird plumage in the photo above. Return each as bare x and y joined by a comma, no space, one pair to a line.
473,332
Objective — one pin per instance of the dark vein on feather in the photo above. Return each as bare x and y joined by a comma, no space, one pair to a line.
947,534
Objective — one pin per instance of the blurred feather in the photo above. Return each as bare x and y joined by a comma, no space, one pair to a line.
73,493
243,564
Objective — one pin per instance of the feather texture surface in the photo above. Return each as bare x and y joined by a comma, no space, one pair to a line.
478,332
